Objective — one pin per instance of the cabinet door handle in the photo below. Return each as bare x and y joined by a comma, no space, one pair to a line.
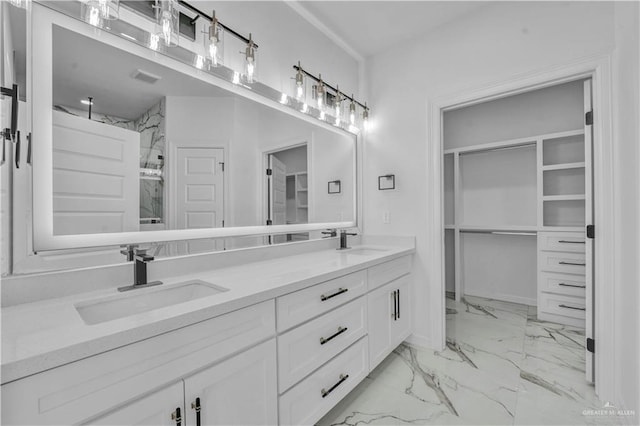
571,307
395,306
570,242
196,406
572,285
324,392
398,298
339,332
572,263
175,416
340,291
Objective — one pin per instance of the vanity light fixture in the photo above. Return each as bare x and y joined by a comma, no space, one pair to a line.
213,41
320,94
300,90
250,60
338,105
352,112
168,21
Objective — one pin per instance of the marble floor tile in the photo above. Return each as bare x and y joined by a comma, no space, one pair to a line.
501,366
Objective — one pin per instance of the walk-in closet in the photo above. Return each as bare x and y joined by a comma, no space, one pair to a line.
517,189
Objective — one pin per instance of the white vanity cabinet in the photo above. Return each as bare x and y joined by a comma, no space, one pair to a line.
139,378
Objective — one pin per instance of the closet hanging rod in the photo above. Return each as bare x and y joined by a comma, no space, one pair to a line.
483,231
499,148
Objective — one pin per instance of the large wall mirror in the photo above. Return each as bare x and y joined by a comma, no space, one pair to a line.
131,146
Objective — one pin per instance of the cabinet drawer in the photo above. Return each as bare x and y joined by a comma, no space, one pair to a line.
562,241
571,285
296,308
76,392
304,404
388,271
573,307
303,349
569,263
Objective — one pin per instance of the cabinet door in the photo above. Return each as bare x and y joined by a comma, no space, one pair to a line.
401,323
155,409
380,310
239,391
389,318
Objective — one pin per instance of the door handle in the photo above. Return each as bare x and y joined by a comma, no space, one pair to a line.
570,242
398,299
571,307
572,285
333,336
196,406
572,263
340,291
325,393
176,417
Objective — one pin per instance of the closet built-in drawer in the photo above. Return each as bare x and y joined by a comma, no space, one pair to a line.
569,263
388,271
562,241
309,400
296,308
573,307
571,285
307,347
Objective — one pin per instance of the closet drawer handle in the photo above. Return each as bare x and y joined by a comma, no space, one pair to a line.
339,332
324,392
572,285
572,263
339,292
571,242
572,307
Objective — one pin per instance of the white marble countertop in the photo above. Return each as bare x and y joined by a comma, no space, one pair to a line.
43,335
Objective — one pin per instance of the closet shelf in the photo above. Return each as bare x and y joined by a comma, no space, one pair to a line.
499,228
565,166
572,197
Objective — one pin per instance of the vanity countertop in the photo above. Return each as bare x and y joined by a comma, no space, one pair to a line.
42,335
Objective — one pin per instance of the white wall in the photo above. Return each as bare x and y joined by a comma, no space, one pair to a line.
503,41
626,112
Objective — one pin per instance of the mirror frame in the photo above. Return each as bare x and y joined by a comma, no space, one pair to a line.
43,19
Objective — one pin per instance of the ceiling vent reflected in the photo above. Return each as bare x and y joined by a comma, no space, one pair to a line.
145,76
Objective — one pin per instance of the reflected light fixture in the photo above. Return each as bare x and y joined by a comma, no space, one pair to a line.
213,42
168,21
236,77
299,83
338,105
250,60
19,3
319,94
199,62
284,99
154,41
97,11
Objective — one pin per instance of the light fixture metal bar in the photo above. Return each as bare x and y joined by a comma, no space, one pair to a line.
207,17
317,79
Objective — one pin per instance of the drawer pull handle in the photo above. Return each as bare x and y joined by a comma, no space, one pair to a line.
176,417
572,285
339,332
196,406
570,242
325,393
337,293
572,263
572,307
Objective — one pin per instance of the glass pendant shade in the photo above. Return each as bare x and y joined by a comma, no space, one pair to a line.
337,107
352,112
168,21
95,12
250,61
300,87
213,42
319,94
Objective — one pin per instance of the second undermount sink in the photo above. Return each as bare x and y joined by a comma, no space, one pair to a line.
365,251
144,300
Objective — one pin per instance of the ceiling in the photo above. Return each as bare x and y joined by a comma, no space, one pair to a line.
84,67
369,27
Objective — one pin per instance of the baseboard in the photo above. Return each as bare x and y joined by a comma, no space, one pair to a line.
508,298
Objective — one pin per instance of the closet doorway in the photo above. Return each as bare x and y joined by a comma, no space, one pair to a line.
517,190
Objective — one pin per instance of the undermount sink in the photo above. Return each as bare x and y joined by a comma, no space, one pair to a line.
365,251
144,300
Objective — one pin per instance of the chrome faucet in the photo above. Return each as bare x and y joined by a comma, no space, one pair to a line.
343,239
140,259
